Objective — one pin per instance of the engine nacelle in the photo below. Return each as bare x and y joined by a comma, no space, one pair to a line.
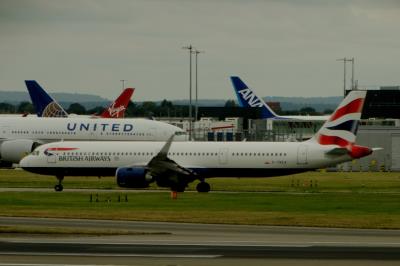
133,177
14,150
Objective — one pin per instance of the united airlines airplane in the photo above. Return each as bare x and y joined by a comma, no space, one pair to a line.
46,106
20,135
247,98
175,164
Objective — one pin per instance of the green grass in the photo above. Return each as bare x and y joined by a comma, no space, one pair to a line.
361,210
362,200
305,182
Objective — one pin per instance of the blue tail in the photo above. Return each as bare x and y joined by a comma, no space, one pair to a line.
247,98
45,105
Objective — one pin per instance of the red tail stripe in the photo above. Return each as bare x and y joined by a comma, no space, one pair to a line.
329,140
352,107
62,149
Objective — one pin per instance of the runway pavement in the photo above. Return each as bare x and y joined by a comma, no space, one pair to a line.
195,244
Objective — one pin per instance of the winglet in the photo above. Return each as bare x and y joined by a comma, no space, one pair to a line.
44,104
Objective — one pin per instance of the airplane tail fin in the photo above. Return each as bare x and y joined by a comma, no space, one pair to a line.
341,128
44,104
247,98
118,107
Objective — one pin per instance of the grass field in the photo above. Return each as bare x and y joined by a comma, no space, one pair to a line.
362,200
363,210
306,182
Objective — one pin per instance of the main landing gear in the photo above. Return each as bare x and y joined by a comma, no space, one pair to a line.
59,187
203,187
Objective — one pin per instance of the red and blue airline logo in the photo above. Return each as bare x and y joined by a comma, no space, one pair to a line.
342,133
53,151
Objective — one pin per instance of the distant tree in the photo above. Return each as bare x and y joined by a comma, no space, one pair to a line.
26,107
76,108
149,108
308,110
165,108
166,104
95,111
230,103
132,110
7,108
328,111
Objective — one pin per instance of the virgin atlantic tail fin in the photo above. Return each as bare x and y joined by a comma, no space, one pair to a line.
118,107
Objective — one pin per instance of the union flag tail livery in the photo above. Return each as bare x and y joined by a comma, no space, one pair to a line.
341,128
44,104
118,107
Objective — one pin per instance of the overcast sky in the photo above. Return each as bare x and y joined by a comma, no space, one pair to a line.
280,48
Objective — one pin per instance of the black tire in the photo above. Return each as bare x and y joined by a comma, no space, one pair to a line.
58,188
203,187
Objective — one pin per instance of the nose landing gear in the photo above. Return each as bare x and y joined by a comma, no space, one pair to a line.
59,187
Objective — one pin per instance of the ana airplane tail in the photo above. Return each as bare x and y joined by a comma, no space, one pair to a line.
341,128
44,104
118,107
247,98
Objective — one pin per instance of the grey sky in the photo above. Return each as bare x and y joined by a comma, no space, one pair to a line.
280,48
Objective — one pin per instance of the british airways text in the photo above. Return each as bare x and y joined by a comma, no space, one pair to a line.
99,127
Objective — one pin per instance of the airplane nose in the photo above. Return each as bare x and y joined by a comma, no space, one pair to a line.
24,162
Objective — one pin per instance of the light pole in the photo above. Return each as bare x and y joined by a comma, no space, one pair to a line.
123,83
345,60
190,48
196,107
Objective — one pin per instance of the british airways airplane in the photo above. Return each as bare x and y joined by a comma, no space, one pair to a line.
46,106
247,98
20,135
176,164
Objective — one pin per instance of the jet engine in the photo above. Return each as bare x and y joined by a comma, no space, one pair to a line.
14,150
133,177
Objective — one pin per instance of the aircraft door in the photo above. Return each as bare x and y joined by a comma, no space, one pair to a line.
302,154
153,133
223,155
51,157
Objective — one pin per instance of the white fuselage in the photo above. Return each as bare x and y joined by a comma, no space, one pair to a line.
208,159
16,133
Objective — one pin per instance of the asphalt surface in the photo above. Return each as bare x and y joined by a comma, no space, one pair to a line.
195,244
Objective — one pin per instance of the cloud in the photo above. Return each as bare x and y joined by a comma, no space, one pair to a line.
286,48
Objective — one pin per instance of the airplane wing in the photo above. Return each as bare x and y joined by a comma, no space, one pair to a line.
162,165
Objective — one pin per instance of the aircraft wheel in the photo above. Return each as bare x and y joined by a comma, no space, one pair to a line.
203,187
58,188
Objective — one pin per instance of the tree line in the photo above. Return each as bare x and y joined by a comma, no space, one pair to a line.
145,109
